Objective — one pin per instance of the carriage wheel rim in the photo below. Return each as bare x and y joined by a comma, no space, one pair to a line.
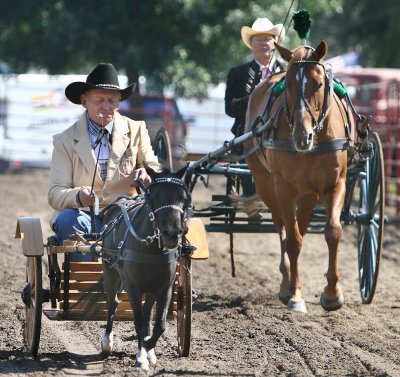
370,234
184,307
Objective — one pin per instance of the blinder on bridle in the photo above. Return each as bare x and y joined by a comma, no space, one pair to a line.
317,124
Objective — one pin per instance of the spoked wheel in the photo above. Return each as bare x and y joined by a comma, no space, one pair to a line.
184,309
162,147
370,219
32,296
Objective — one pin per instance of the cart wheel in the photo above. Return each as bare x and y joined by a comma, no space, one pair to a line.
162,147
184,309
371,219
32,295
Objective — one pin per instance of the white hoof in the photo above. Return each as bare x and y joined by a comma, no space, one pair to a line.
107,343
141,360
151,355
297,306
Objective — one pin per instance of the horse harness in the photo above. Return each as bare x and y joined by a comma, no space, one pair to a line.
278,89
317,124
114,256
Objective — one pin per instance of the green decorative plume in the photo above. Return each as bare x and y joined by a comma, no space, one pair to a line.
302,23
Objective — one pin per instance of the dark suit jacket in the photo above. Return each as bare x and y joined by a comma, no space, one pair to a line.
241,81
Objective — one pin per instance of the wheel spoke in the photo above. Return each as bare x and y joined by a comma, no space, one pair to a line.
374,241
376,207
375,224
361,235
363,193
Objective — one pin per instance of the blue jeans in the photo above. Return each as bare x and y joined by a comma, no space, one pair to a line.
71,220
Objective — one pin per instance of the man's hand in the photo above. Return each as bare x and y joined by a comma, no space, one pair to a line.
85,198
141,174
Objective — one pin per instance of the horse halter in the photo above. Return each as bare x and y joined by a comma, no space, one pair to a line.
317,124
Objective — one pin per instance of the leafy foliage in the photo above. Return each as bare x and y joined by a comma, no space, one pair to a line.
183,44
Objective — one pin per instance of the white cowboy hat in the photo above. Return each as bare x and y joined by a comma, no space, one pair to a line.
262,26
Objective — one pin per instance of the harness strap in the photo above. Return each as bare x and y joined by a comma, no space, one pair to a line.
321,148
262,119
128,222
325,108
142,257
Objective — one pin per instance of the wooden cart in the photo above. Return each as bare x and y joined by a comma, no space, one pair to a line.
70,281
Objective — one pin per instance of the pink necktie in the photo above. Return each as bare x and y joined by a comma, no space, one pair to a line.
265,72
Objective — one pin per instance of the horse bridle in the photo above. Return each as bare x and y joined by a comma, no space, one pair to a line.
174,181
156,231
317,124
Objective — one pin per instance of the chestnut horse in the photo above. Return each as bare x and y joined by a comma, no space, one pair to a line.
303,160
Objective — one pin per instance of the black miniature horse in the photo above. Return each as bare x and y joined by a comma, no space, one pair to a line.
141,246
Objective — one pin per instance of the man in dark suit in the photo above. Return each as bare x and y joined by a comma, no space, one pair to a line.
243,78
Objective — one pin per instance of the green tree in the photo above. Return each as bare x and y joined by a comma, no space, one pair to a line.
372,28
185,44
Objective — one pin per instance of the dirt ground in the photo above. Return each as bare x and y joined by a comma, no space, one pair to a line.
239,326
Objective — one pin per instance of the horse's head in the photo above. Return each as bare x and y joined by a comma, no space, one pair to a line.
170,202
307,93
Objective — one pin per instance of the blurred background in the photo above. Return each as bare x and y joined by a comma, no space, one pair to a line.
179,52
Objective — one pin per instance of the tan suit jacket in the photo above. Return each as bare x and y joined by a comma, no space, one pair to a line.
74,162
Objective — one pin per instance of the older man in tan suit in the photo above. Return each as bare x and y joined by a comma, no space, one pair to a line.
99,158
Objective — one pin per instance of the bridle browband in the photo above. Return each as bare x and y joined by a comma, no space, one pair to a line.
317,124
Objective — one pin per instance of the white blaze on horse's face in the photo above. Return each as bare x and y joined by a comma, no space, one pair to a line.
303,133
302,83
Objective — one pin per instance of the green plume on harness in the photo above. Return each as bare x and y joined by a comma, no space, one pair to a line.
302,23
338,88
279,87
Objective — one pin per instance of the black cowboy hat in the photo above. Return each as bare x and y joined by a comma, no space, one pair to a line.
104,76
